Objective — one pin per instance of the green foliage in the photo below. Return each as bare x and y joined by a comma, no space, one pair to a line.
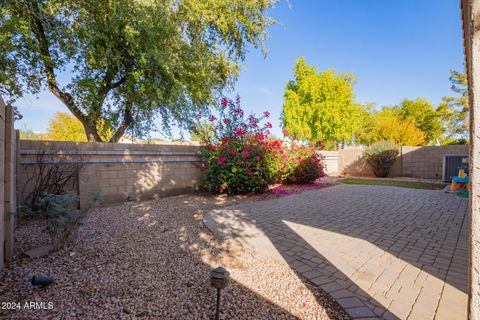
28,134
240,157
364,123
388,125
450,141
412,123
424,116
459,83
381,156
50,177
299,164
395,183
132,60
319,106
63,216
454,110
65,127
238,166
202,131
238,160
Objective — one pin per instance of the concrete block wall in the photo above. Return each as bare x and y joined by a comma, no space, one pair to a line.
416,162
427,162
351,163
120,172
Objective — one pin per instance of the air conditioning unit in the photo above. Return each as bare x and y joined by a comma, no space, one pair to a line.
451,162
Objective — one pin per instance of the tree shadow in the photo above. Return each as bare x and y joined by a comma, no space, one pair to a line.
369,255
426,162
148,260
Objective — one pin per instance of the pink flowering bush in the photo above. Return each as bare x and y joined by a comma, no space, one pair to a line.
240,157
299,164
238,160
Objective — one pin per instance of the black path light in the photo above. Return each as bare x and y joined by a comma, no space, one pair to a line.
40,281
219,280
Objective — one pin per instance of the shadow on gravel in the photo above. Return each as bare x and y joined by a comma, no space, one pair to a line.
426,229
138,260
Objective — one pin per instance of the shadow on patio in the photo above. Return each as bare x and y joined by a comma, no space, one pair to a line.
152,260
381,252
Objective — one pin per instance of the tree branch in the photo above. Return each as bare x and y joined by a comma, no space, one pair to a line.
108,85
114,85
105,87
127,121
49,68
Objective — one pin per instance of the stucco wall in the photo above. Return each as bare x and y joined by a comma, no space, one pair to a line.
120,172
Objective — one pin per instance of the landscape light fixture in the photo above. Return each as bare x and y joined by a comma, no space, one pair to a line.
219,279
40,281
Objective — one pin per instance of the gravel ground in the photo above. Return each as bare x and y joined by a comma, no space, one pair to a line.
151,260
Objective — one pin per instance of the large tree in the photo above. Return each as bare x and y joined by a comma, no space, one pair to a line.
121,63
319,105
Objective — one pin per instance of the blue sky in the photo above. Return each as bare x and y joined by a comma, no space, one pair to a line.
396,49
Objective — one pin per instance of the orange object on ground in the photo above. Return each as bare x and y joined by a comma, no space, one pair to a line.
453,187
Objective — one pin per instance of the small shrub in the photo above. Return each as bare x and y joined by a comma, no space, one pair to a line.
48,176
381,157
63,215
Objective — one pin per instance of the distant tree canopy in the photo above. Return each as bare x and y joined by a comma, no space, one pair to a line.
124,62
390,126
65,127
454,110
202,131
424,116
319,105
27,134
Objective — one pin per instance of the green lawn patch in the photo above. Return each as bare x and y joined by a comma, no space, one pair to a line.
395,183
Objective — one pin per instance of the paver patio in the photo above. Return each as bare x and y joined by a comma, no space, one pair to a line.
381,252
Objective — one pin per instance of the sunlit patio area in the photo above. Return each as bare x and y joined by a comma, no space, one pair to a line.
381,252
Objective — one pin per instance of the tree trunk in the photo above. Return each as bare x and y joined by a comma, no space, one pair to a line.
49,69
91,132
127,121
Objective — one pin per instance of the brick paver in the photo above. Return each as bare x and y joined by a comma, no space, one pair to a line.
381,252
